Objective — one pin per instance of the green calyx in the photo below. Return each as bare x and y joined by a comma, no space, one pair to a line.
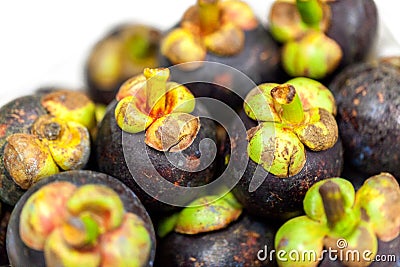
83,226
150,102
301,25
315,55
379,200
202,215
209,26
277,149
286,127
300,234
289,20
314,94
339,218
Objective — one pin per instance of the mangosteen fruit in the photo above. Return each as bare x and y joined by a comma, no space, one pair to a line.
228,34
122,53
321,37
344,226
40,135
368,102
80,218
154,139
291,143
214,233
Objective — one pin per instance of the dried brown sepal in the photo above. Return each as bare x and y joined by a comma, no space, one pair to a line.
320,130
174,132
27,159
227,41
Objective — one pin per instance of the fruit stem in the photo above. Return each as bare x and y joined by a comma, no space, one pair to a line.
333,202
156,81
209,13
311,11
340,220
292,110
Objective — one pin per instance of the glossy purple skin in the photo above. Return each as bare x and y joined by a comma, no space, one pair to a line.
282,198
21,255
368,99
354,26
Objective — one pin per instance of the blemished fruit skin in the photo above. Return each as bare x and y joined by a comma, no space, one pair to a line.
17,116
21,255
112,144
282,198
368,99
236,245
259,60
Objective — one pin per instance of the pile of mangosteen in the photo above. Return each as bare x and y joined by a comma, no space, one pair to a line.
222,141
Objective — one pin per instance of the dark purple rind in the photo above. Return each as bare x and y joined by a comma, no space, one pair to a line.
354,26
110,159
21,255
237,245
17,116
368,99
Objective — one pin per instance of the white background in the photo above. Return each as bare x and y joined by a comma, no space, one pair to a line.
46,42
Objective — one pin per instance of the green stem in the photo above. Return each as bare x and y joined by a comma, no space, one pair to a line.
156,88
311,11
292,109
209,13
